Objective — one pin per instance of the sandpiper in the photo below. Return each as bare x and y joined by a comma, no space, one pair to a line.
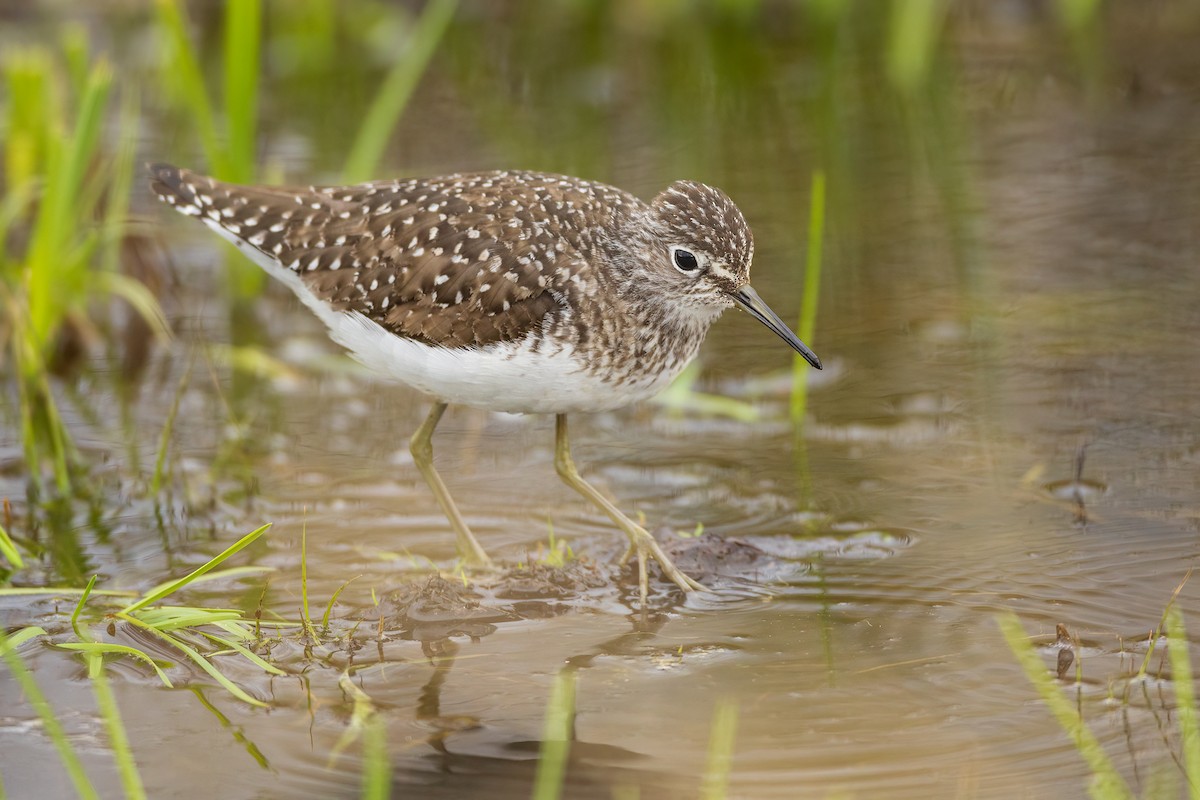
509,291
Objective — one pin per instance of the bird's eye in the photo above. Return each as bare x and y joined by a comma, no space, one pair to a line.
685,261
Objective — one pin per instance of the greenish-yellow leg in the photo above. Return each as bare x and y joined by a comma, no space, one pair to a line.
640,540
421,446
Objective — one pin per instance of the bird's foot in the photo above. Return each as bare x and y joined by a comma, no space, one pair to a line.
645,546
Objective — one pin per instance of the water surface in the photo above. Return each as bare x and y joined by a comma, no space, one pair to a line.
1009,316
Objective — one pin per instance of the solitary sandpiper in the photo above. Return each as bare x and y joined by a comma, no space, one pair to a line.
508,291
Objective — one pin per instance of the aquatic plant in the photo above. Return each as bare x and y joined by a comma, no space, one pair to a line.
1107,783
62,215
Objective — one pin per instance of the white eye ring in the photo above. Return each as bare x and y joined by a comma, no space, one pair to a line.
688,261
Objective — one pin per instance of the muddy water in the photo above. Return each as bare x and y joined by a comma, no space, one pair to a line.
1008,420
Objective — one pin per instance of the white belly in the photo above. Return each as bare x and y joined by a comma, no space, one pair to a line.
508,377
505,377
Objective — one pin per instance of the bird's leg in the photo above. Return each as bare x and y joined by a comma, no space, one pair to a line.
640,540
421,447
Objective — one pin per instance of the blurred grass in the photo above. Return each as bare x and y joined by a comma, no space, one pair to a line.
1185,698
914,33
106,705
50,723
807,324
558,729
722,735
231,148
381,118
1107,782
62,218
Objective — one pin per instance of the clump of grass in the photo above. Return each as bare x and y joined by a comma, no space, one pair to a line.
69,203
188,630
191,631
556,552
1107,782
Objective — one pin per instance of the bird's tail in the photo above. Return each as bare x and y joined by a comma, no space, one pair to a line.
182,189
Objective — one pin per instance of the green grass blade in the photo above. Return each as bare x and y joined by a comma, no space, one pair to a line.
1162,624
1106,781
243,651
243,41
164,439
53,728
304,616
13,204
220,575
241,629
23,635
557,728
216,561
377,769
118,650
198,659
140,298
332,600
915,26
361,712
8,549
106,704
32,109
807,324
681,396
369,145
83,598
173,618
185,68
1076,14
55,220
116,199
715,783
73,44
60,591
1185,699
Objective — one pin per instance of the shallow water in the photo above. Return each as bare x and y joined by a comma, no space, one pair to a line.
1007,420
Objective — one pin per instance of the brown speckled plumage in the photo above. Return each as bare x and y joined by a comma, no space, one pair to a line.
477,259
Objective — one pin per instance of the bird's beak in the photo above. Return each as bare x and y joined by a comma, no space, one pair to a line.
748,300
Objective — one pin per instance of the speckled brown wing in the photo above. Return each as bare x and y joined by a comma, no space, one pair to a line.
426,259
